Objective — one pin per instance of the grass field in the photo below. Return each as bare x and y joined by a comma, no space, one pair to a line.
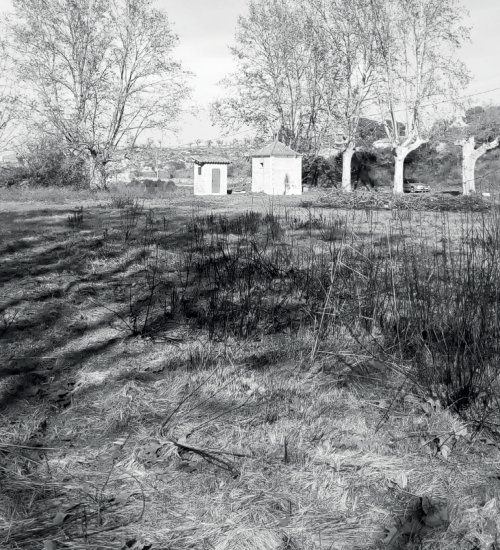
247,373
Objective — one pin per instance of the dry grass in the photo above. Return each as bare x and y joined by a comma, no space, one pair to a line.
294,455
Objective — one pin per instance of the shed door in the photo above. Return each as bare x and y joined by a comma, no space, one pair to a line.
216,180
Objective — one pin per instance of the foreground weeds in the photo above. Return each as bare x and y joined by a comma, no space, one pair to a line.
285,378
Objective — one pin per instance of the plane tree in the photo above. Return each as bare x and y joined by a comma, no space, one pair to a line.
98,73
344,27
476,131
419,72
9,100
278,86
479,134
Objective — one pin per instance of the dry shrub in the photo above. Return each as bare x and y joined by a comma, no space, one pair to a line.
388,201
48,162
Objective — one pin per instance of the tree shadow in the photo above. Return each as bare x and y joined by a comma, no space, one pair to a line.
22,382
73,274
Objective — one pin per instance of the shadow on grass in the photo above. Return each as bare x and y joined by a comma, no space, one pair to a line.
39,315
24,381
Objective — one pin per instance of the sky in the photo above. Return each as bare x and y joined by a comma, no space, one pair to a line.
206,29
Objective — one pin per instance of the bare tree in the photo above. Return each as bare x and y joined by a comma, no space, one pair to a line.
419,72
275,88
479,133
344,27
101,72
9,101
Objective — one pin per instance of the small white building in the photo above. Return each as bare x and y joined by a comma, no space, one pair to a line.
210,176
8,157
277,170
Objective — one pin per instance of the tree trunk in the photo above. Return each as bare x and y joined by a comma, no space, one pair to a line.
469,157
400,154
399,168
346,168
97,172
468,169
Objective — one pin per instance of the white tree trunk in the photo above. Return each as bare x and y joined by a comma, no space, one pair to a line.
468,169
469,157
401,152
346,168
399,168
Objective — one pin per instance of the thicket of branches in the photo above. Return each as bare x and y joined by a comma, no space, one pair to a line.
97,73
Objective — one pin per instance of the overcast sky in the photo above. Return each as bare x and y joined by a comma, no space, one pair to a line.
206,28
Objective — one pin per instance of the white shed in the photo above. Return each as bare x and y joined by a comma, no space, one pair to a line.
277,170
210,176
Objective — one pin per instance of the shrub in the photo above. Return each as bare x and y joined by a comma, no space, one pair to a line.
240,168
318,171
170,186
47,161
12,174
361,171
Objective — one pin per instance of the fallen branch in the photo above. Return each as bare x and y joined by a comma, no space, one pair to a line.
210,457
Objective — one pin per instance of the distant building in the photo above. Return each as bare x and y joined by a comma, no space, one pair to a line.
277,170
383,144
329,152
8,157
210,176
441,147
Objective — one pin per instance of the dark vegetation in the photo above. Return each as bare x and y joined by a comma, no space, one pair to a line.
445,168
45,162
252,275
373,169
219,350
318,171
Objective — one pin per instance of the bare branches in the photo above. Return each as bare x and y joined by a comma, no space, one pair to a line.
417,41
9,101
283,83
100,70
345,28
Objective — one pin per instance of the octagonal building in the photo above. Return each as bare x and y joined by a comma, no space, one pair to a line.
277,170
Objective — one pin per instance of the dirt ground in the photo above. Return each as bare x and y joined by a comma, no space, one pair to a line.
169,439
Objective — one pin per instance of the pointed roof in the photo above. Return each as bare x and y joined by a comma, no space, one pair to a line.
275,149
